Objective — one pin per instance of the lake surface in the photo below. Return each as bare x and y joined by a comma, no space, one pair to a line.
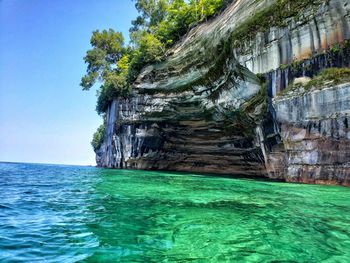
57,213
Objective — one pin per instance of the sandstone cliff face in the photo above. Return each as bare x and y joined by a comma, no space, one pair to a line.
204,110
316,137
183,132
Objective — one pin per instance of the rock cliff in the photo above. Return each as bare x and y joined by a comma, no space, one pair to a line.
316,137
205,109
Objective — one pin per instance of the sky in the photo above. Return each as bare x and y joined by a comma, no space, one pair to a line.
45,117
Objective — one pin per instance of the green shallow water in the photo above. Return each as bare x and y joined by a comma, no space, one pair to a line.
66,214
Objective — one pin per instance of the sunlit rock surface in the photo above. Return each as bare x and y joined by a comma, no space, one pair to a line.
182,132
305,36
176,118
316,137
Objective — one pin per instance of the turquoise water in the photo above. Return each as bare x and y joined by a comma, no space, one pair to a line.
56,213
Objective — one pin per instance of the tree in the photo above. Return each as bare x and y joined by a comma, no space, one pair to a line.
108,62
206,8
159,25
98,137
108,48
151,12
151,48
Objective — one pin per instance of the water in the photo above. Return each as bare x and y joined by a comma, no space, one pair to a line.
69,213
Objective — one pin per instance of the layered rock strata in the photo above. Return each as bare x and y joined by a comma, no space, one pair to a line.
183,132
315,133
203,109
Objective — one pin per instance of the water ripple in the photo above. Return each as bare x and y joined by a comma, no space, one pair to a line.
70,213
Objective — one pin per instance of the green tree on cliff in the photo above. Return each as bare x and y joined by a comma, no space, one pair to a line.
98,137
107,49
159,25
108,63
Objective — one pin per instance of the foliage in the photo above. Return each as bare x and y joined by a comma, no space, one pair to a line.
332,76
148,49
98,137
168,20
108,62
159,25
326,78
102,58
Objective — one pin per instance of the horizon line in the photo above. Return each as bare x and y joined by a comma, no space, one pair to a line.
44,163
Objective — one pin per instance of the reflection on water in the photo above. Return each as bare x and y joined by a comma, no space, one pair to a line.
71,213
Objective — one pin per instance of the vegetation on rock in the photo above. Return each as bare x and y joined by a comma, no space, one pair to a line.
98,137
326,78
160,24
108,63
277,14
115,65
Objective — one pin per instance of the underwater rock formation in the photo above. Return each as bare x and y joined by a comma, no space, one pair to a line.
203,109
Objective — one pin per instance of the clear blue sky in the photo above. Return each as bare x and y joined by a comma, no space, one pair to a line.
44,115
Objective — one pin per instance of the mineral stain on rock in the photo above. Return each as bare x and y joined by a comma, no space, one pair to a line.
207,108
